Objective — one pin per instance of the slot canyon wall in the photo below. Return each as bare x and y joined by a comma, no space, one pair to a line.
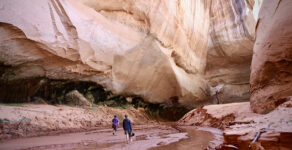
271,70
171,52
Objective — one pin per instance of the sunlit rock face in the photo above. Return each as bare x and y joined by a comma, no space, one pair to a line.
164,51
271,70
230,44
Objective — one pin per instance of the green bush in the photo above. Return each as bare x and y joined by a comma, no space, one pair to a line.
13,104
4,120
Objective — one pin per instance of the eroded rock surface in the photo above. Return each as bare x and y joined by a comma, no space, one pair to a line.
240,124
165,51
271,76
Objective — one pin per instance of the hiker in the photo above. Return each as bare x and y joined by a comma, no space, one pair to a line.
115,124
128,129
217,97
217,89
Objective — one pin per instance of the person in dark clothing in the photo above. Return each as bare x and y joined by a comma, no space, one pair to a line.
217,97
115,124
127,128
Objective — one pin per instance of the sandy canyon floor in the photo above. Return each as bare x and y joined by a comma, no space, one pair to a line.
154,138
32,126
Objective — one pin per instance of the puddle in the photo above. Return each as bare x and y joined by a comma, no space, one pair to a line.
141,137
198,140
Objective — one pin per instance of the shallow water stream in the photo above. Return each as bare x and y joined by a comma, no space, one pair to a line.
197,140
153,138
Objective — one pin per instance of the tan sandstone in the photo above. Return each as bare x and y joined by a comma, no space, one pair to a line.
161,50
271,70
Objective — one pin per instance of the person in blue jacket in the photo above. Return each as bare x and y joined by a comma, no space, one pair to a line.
115,124
127,128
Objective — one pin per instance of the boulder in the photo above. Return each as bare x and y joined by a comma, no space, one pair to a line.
89,97
77,99
38,100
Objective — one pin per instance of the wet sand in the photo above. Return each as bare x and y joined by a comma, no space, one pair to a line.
156,137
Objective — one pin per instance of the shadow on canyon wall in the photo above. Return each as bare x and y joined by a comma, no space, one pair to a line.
54,92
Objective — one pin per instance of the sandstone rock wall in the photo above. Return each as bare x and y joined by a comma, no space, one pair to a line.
271,76
230,44
165,51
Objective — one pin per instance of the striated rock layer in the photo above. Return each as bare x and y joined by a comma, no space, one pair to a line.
165,51
271,76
